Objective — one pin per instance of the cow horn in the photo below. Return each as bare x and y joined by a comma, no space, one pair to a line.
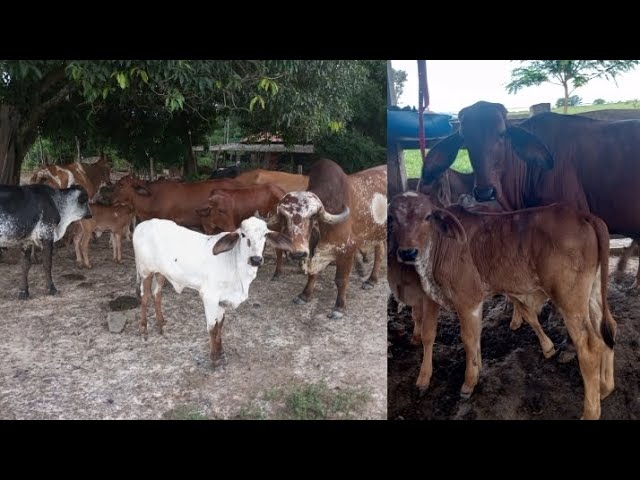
272,221
257,215
331,218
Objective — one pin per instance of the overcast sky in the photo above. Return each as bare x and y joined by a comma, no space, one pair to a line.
455,84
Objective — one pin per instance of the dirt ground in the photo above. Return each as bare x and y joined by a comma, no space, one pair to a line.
59,360
516,382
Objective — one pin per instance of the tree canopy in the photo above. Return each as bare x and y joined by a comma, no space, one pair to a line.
570,74
146,107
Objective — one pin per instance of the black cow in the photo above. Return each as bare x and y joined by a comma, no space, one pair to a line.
225,172
38,215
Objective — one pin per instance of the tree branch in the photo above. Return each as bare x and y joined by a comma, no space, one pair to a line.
41,110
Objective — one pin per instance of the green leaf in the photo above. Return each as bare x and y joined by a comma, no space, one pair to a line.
144,76
105,92
122,80
252,103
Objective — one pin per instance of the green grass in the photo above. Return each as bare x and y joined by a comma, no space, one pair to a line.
305,401
184,412
632,104
413,162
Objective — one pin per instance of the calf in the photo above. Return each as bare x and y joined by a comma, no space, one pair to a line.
220,267
228,207
555,251
38,215
114,219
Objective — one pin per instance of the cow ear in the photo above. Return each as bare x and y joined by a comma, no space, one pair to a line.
226,243
530,148
142,191
448,224
440,157
203,212
279,241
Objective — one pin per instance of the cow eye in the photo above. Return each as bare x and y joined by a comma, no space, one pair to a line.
243,235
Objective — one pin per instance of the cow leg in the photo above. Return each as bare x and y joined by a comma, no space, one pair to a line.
84,245
429,314
146,289
215,320
77,237
308,290
117,246
344,264
624,259
589,348
158,283
377,263
528,308
417,314
34,257
470,331
23,294
278,271
47,261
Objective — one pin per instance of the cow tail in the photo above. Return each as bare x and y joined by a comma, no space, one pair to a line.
608,324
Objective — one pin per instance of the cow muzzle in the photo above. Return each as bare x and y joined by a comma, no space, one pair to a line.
408,255
299,255
484,194
256,261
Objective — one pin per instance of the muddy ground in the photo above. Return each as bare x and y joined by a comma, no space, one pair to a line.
516,382
59,360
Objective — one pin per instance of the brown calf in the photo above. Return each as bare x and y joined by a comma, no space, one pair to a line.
530,255
114,219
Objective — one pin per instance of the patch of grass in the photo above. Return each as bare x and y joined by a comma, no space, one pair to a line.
306,401
184,412
413,162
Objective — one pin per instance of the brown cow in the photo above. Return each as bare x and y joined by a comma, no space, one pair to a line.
338,215
90,176
589,164
114,219
289,182
555,251
171,200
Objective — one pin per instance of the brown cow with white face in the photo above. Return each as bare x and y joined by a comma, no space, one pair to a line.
338,215
555,251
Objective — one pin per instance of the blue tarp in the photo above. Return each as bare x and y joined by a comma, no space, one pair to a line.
402,127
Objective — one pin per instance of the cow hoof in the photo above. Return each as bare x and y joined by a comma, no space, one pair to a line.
335,315
368,285
299,301
52,290
566,356
422,391
218,362
276,276
23,295
465,396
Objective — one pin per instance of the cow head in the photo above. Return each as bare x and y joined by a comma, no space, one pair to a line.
72,204
299,214
128,190
250,239
219,213
491,142
415,222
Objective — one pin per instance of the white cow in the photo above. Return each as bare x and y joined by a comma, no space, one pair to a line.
220,267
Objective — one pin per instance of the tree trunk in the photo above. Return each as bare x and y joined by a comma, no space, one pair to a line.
11,153
566,97
189,161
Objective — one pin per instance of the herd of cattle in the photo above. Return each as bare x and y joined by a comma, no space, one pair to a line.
550,191
323,217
